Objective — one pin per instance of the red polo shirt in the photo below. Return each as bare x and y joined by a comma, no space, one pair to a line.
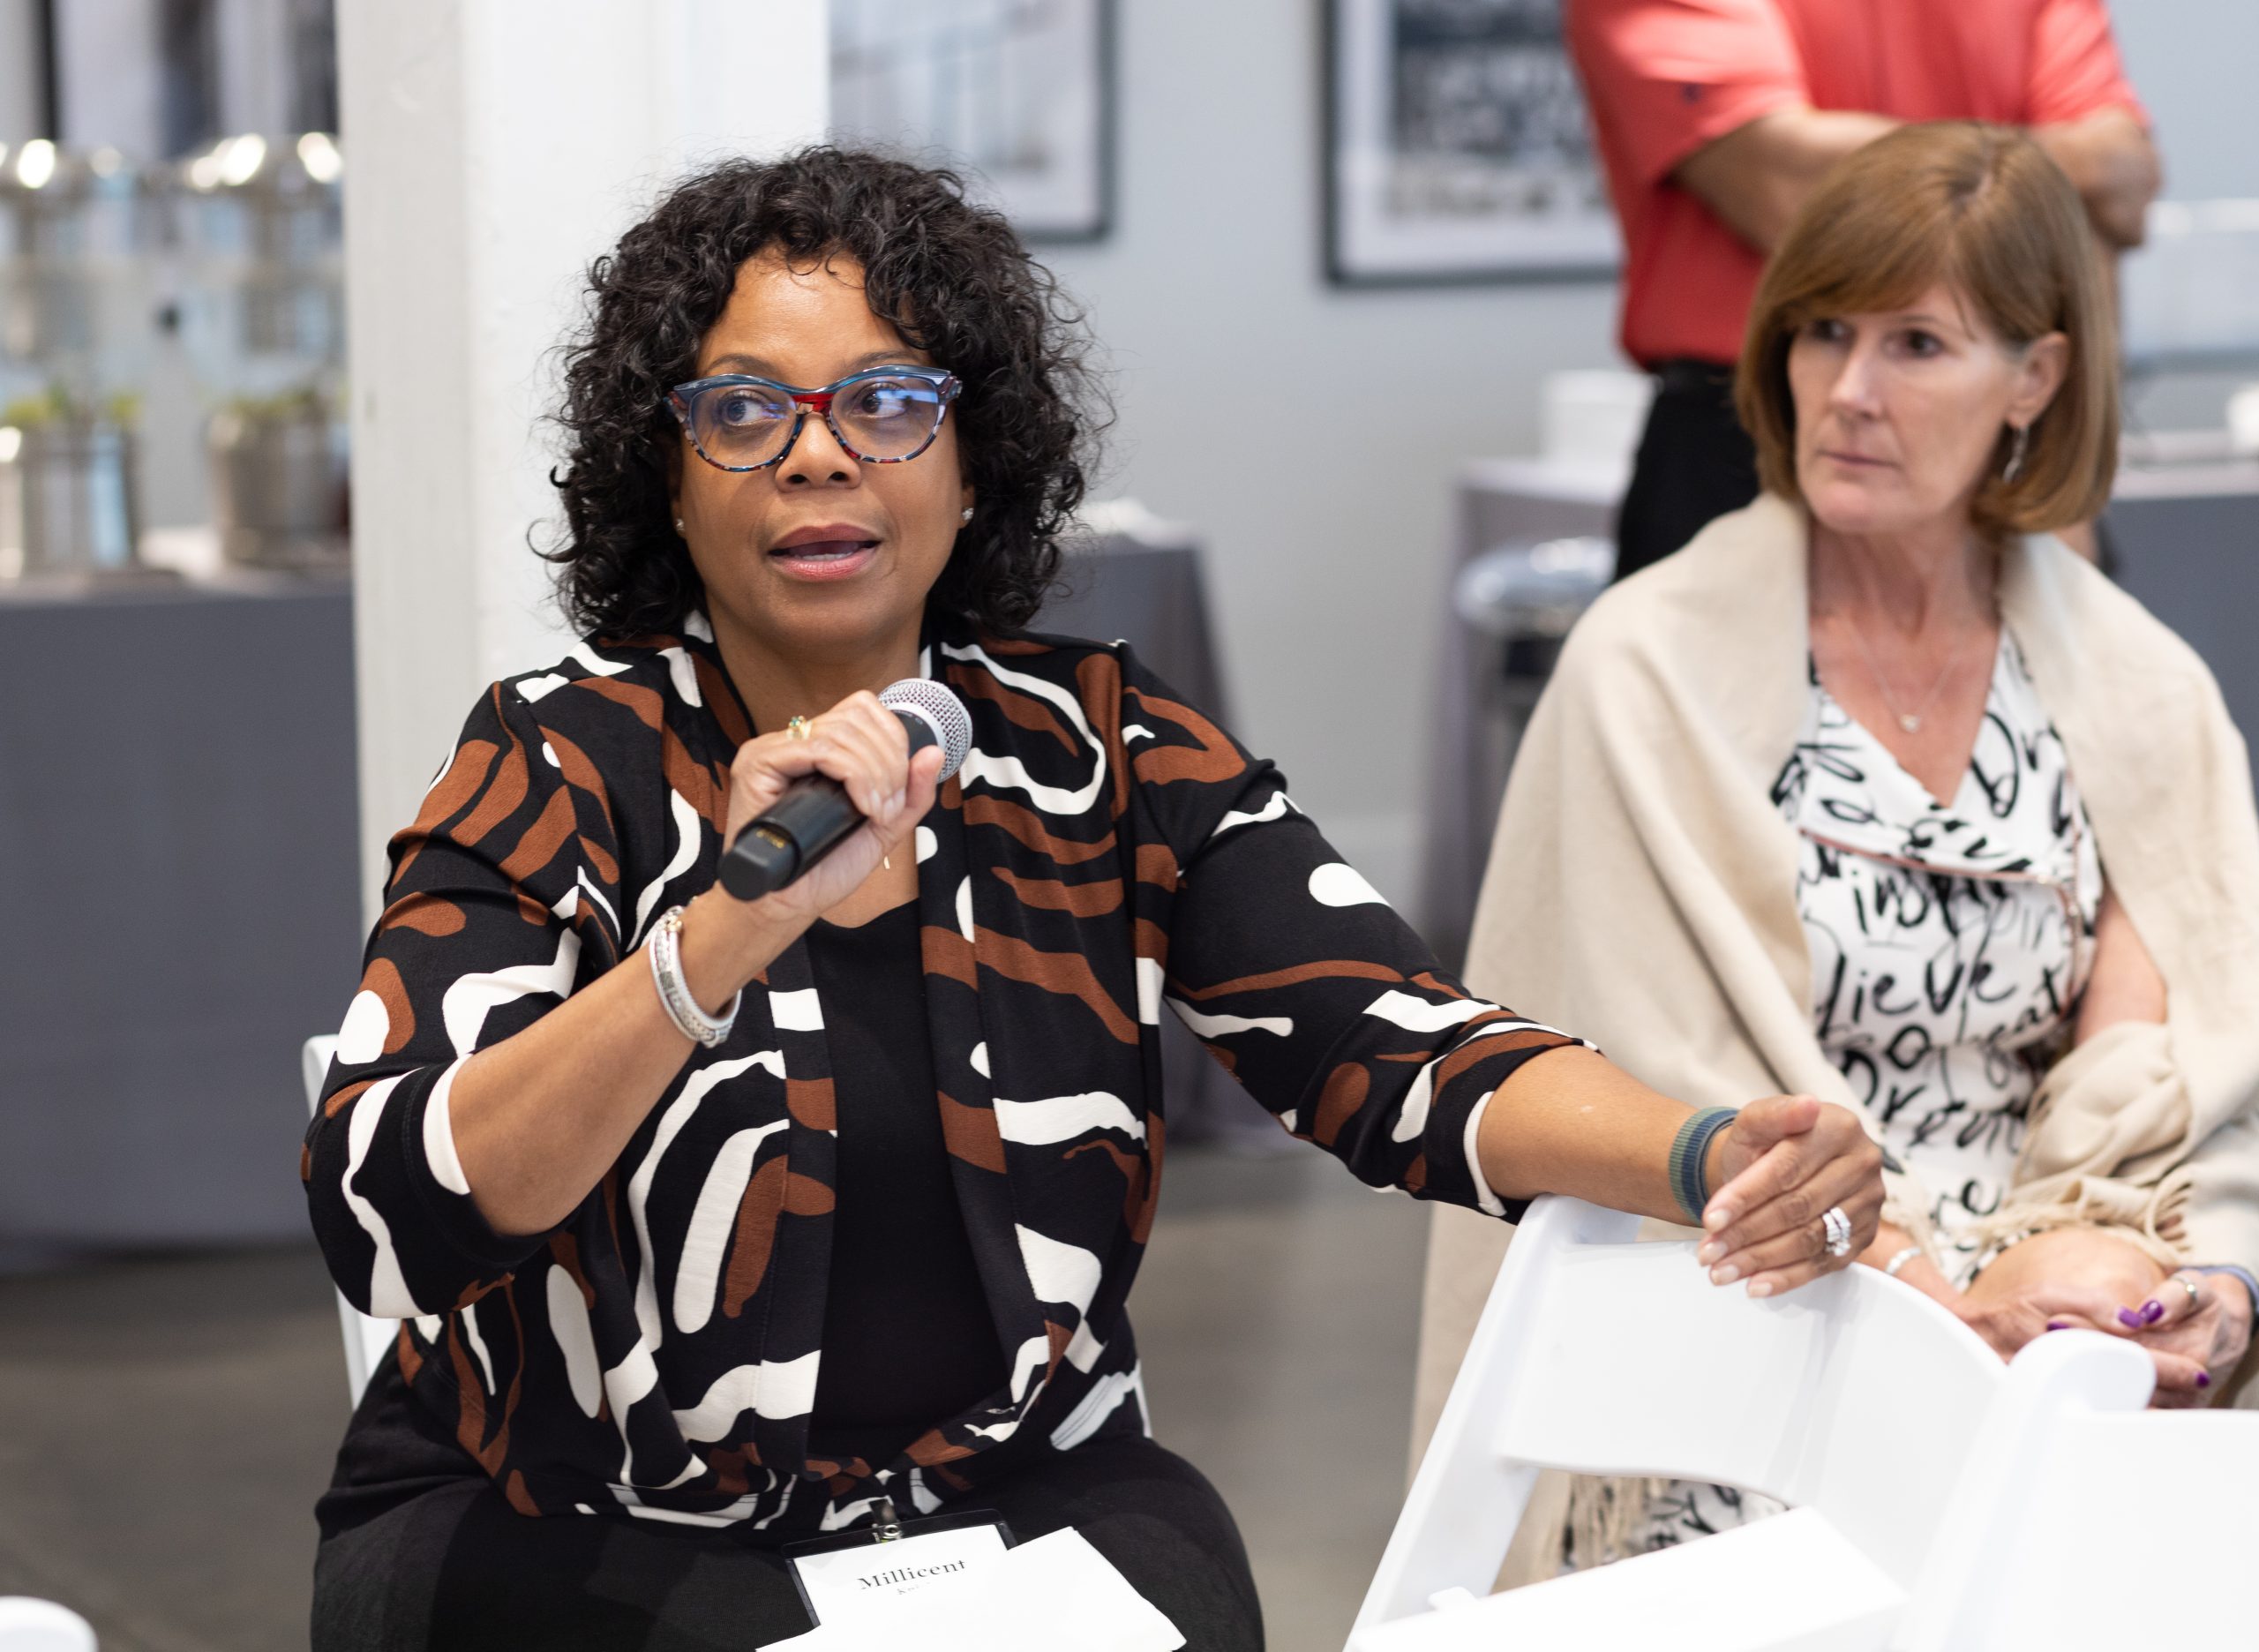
1665,77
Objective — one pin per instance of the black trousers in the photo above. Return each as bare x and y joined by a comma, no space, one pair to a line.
420,1550
1695,463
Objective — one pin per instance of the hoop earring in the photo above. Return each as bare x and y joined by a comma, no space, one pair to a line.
2016,451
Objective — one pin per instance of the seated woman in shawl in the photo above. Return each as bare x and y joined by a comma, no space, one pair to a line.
718,1224
1897,801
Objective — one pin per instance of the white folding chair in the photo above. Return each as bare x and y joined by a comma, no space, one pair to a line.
38,1625
1856,1398
366,1338
2084,1523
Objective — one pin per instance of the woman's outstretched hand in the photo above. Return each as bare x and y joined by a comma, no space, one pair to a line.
1784,1162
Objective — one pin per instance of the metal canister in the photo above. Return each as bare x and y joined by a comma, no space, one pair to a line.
74,342
278,484
67,499
263,314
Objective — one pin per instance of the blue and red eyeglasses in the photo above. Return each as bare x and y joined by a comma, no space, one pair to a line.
880,416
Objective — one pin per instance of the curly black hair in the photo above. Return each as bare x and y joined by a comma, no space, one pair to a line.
947,273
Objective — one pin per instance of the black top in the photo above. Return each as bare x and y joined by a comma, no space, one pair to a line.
907,1335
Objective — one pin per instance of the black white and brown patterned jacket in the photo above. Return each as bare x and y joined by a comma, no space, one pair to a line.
1106,851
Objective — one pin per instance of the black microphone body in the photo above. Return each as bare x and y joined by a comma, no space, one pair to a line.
814,816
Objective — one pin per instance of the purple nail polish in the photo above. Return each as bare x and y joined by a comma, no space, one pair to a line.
2151,1312
2058,1325
2131,1320
2203,1379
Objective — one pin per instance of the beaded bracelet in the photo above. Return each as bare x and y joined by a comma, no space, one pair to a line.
674,993
1690,1151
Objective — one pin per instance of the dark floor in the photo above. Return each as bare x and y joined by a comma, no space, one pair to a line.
166,1423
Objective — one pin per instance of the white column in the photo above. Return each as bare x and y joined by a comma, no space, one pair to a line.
491,151
21,116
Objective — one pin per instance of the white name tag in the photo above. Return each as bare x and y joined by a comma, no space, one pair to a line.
840,1583
1050,1592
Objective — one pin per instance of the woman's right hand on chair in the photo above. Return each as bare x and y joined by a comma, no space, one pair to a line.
1779,1168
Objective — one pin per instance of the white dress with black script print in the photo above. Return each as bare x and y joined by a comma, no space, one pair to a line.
1949,943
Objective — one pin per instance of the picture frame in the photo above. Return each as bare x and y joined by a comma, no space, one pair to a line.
1018,94
1458,149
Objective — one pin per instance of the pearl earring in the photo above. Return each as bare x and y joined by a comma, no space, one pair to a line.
678,526
965,515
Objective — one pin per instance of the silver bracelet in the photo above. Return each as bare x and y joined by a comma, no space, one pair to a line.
1890,1268
674,993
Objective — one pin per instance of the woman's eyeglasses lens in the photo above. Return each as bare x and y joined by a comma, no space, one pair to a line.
884,416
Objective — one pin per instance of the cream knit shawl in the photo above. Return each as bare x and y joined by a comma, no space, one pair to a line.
1641,889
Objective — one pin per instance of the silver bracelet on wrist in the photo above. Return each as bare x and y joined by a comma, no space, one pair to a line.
1891,1267
674,993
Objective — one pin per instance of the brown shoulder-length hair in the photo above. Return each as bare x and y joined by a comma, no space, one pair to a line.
1983,210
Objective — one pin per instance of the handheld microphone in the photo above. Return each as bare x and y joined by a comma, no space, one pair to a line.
814,816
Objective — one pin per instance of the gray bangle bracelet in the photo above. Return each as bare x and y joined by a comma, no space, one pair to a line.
1690,1180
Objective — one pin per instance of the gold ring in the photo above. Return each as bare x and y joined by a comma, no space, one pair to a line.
799,728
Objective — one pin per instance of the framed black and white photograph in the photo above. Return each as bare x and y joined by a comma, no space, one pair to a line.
1457,147
1019,93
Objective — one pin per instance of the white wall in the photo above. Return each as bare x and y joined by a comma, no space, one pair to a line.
494,149
1327,561
2193,61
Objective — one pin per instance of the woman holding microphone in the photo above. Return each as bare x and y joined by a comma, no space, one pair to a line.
715,1222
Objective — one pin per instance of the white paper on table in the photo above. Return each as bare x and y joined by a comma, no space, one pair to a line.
1050,1592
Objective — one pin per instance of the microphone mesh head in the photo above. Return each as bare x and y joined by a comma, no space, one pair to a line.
943,711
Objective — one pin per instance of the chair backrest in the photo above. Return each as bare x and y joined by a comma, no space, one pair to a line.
1789,1584
2083,1520
1857,1396
37,1626
366,1338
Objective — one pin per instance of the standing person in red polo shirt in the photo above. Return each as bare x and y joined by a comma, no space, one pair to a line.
1717,118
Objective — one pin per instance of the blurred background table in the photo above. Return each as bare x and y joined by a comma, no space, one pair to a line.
177,827
2185,525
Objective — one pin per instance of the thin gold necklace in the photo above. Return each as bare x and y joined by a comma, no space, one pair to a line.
1911,721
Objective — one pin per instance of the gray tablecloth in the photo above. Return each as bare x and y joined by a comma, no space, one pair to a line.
2187,540
178,835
